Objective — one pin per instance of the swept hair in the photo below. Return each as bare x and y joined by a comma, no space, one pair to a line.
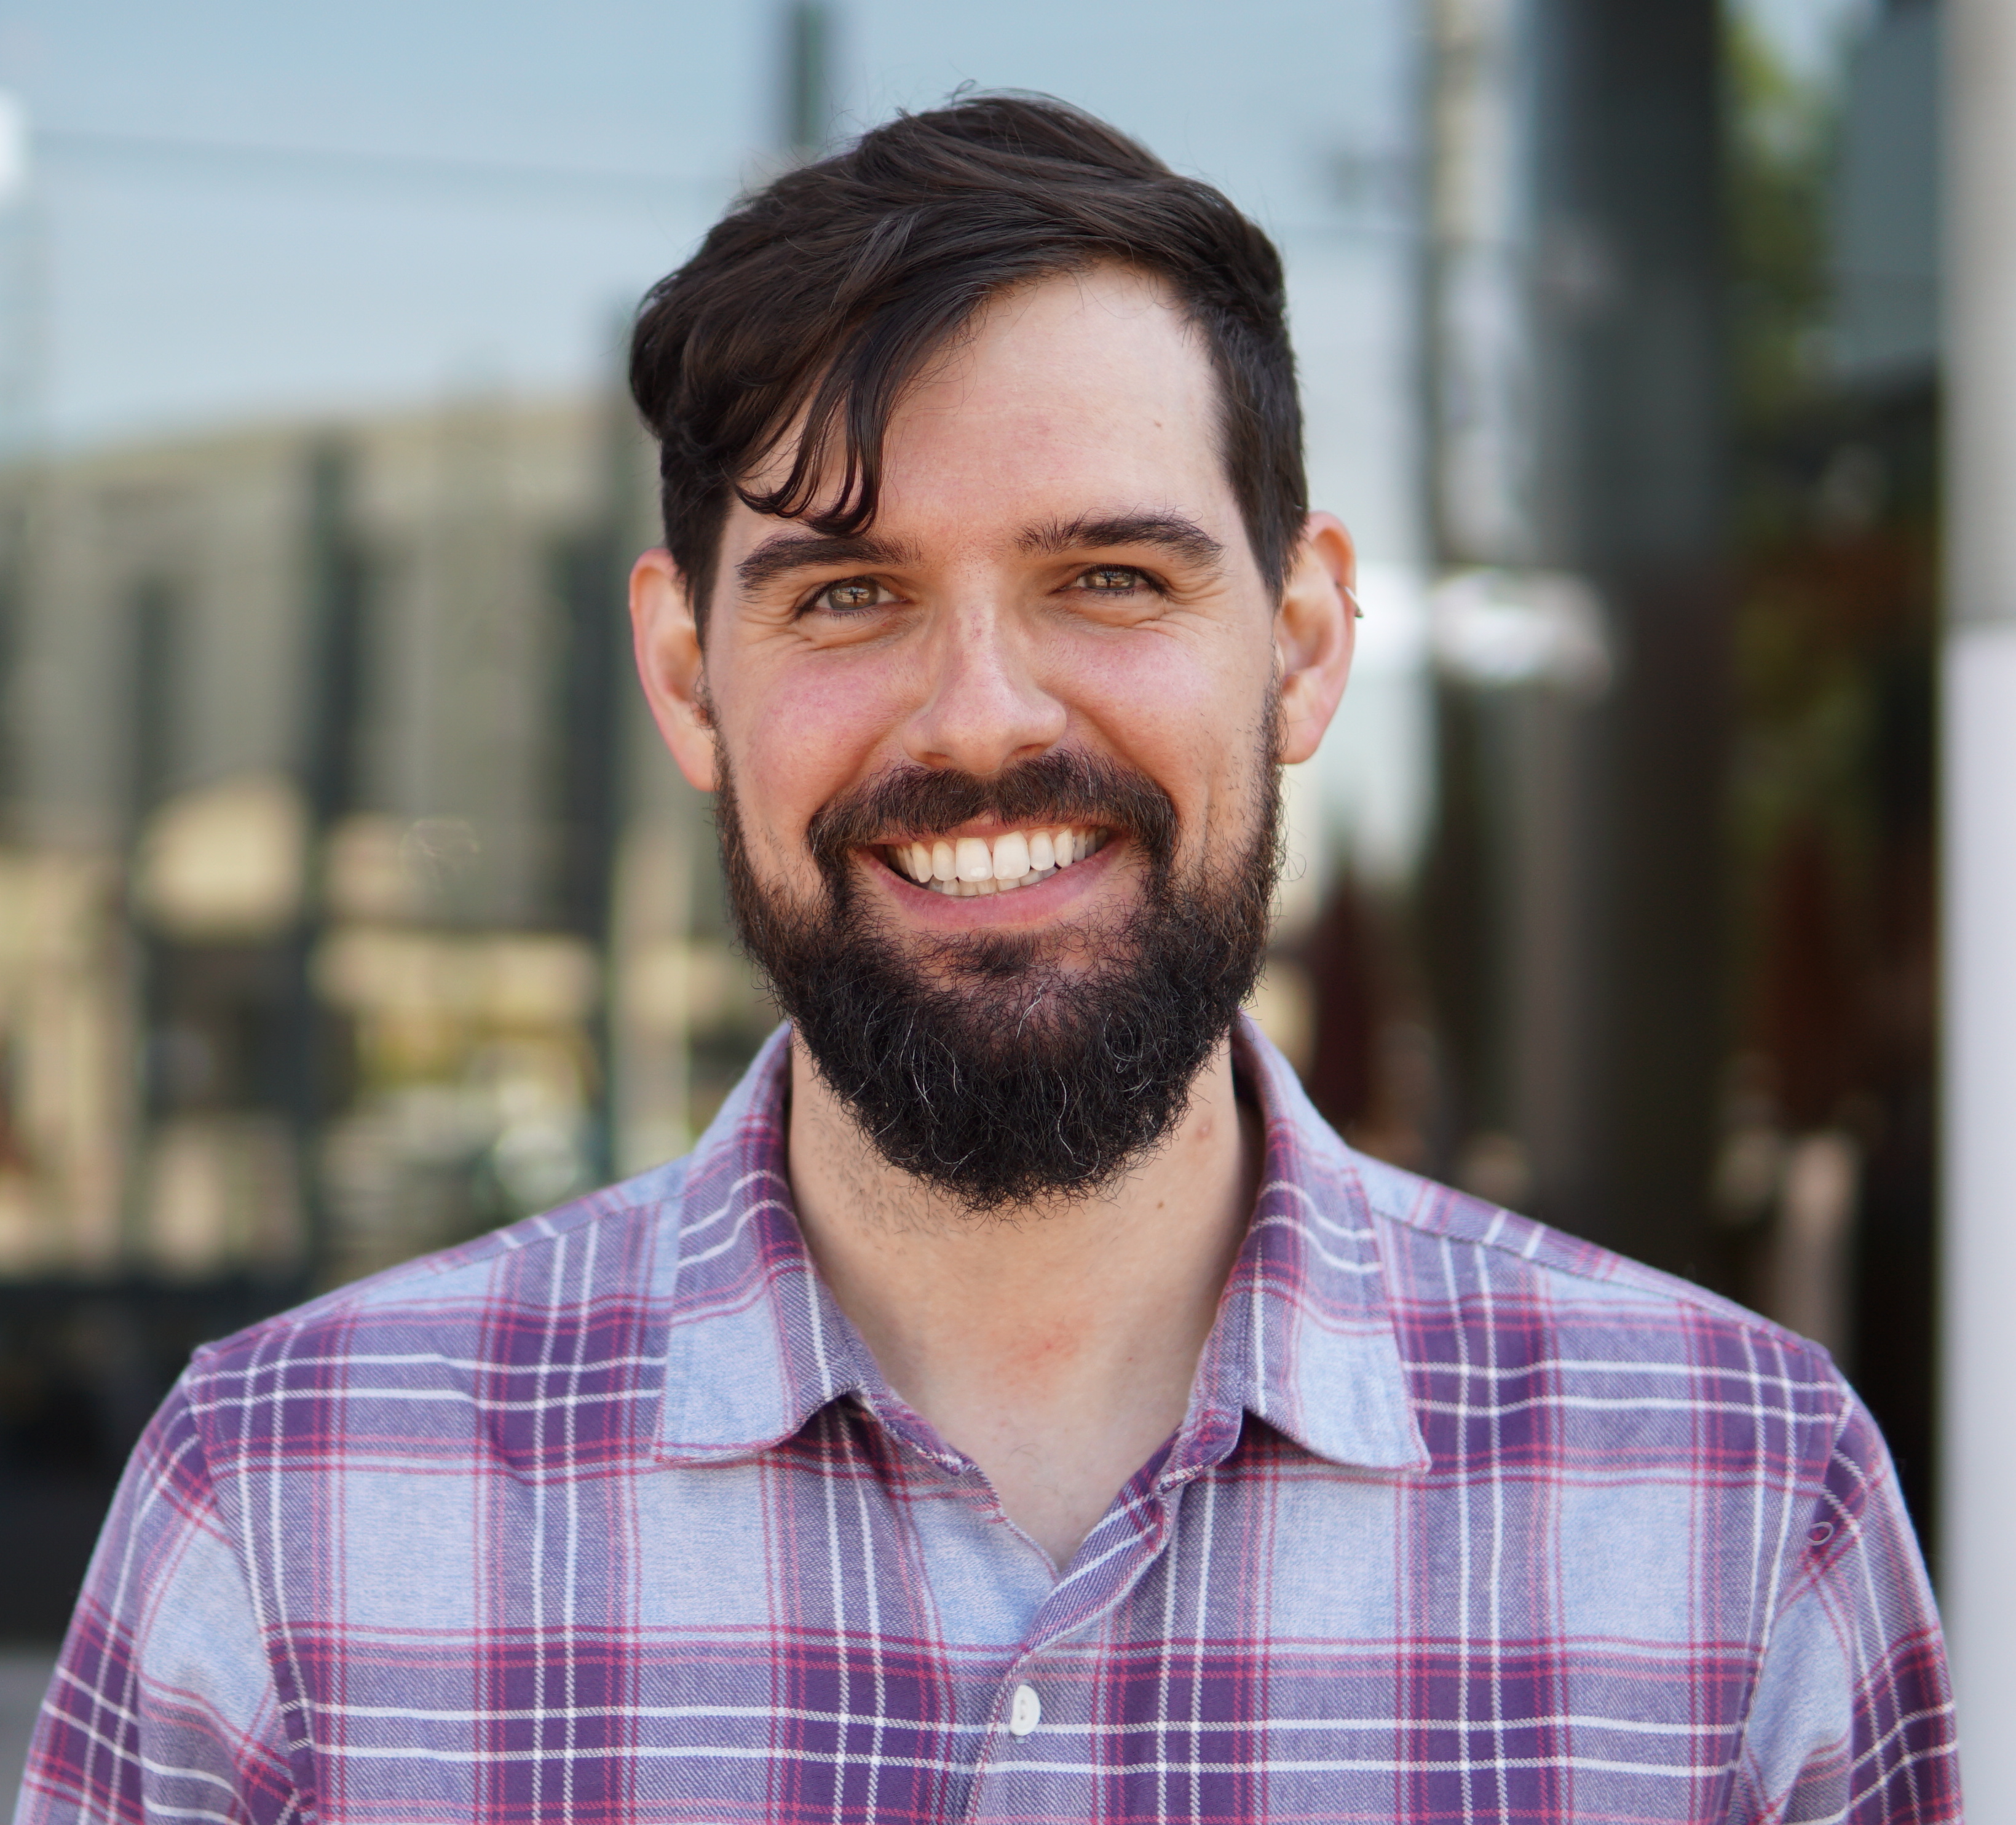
821,297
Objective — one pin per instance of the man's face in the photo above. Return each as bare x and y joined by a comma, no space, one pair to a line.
1047,672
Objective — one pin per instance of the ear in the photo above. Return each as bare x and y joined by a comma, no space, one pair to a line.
669,662
1314,634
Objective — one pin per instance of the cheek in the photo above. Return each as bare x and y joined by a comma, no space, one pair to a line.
808,733
1186,714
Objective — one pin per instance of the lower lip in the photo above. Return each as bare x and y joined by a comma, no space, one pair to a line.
1017,905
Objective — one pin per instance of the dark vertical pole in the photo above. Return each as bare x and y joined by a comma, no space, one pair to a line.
154,682
335,580
154,687
13,612
807,94
1631,494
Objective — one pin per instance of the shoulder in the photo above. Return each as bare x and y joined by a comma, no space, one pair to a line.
1497,1315
558,1258
1421,1220
411,1354
1507,1315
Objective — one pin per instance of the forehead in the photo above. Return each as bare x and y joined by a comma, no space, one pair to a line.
1069,395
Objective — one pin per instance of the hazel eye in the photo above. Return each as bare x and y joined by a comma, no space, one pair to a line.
850,595
1112,579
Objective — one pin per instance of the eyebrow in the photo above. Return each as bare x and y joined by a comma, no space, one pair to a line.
1169,532
782,552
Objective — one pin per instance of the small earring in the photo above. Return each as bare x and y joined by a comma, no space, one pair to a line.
1357,608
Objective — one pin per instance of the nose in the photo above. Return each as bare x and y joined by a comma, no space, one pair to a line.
982,706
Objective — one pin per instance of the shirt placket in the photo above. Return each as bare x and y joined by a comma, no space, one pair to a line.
1042,1754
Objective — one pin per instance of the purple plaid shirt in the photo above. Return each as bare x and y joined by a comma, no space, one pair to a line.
610,1516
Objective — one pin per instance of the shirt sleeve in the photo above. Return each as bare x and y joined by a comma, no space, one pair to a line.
1852,1718
163,1706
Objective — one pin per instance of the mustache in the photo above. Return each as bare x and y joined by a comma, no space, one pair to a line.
1062,786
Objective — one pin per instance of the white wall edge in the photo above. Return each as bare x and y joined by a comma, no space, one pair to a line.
1978,1442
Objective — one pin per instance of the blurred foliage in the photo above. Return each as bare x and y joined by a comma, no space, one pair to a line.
1780,139
1835,516
1833,1004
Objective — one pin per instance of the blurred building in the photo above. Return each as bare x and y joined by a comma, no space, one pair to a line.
348,905
338,814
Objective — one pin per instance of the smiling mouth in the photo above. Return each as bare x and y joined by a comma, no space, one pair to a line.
965,867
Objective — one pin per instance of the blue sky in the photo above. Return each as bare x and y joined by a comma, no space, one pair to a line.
175,290
1811,35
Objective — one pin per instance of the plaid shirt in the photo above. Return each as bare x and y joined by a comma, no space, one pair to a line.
610,1516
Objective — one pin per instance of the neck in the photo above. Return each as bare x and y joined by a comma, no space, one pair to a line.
1055,1346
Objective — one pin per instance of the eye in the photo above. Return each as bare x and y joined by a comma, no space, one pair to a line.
850,595
1112,580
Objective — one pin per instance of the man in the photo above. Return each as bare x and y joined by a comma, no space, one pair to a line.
1020,1405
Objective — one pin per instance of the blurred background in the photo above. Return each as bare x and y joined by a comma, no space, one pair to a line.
348,907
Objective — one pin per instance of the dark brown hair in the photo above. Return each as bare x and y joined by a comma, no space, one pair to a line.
826,291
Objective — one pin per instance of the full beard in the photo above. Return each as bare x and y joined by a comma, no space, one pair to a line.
1013,1069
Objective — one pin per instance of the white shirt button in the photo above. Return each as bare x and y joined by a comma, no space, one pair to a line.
1025,1711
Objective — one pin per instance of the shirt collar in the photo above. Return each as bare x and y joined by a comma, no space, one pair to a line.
1303,1338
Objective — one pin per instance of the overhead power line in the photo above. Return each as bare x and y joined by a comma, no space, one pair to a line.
248,159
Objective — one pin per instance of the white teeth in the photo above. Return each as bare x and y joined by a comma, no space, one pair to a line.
962,868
